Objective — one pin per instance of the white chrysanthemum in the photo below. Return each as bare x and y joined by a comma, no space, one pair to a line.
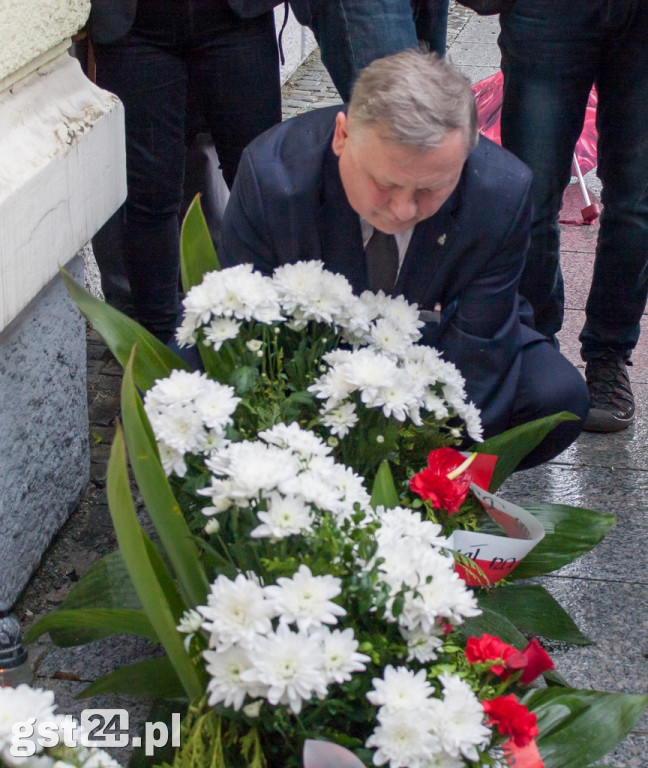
401,522
306,600
405,316
388,337
304,442
351,487
440,593
458,719
402,739
221,329
290,664
340,419
18,705
179,387
369,372
315,487
190,623
422,646
253,468
397,398
285,516
332,386
472,417
173,461
341,657
216,405
236,611
180,427
226,685
401,688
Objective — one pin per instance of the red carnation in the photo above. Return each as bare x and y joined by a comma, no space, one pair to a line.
489,648
512,719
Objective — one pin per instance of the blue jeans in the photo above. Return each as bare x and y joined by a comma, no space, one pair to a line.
552,53
232,64
352,33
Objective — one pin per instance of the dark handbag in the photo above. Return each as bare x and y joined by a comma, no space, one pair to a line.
488,7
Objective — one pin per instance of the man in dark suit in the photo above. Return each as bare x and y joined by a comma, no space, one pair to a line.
406,160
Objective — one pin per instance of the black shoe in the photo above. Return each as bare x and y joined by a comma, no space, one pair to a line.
612,405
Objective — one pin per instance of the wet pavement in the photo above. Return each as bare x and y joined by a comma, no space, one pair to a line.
606,591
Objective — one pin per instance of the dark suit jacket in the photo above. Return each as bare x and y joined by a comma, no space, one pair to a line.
111,19
288,204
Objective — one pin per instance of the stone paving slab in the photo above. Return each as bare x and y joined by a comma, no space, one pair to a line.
621,556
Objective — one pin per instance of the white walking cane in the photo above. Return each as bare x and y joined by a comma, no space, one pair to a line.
592,210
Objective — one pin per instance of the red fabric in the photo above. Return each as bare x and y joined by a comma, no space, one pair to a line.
522,757
488,97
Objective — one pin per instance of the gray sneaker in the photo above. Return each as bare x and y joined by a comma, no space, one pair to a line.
612,405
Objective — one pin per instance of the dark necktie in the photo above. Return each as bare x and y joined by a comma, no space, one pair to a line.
382,261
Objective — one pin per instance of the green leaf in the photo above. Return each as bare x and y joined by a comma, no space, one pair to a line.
143,575
154,359
570,533
154,678
197,252
531,608
101,622
493,623
512,446
579,727
384,490
164,511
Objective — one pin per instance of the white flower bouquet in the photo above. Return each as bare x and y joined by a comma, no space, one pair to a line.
33,734
298,590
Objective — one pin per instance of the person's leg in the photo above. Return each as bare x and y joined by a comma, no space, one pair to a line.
151,82
548,384
431,20
353,33
234,71
547,79
619,287
617,296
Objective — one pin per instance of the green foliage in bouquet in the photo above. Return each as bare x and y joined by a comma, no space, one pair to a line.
253,475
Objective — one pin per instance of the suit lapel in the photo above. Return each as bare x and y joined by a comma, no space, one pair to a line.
430,255
339,228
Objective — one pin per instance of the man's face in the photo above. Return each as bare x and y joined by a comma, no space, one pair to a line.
393,186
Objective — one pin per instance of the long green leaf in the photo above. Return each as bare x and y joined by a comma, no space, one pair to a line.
142,573
175,535
493,623
570,533
197,252
107,585
531,608
384,490
101,621
154,678
580,727
512,446
154,359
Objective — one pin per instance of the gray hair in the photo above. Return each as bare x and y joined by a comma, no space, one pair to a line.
416,98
